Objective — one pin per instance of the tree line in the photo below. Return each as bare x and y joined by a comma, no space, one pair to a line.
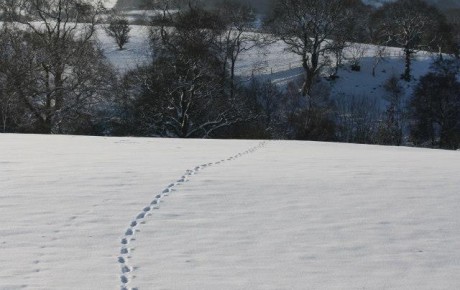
54,77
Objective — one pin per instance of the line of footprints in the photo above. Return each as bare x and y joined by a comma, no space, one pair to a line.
123,258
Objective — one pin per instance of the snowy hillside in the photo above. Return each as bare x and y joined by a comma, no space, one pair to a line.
280,66
82,213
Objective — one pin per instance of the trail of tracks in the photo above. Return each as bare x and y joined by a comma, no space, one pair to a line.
126,269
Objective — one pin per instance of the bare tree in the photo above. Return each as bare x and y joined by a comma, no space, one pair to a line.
380,55
358,119
307,27
391,128
442,39
239,21
354,30
182,93
356,52
118,29
453,18
64,74
16,76
268,100
408,24
5,97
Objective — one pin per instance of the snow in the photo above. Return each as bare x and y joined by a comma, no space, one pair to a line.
109,3
283,215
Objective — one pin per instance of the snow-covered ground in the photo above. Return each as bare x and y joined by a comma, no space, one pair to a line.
136,53
284,215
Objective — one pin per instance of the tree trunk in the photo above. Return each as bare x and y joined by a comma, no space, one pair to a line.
307,86
184,116
45,125
407,72
4,120
310,74
232,78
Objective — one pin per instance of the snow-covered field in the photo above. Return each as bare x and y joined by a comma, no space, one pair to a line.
283,215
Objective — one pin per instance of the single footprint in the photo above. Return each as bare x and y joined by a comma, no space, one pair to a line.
125,269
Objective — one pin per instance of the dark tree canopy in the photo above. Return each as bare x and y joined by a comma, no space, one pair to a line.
436,107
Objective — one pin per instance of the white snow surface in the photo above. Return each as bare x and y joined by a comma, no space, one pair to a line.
284,215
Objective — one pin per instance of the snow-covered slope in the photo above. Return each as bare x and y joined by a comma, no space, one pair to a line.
284,215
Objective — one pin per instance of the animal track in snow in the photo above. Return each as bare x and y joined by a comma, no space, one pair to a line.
126,270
